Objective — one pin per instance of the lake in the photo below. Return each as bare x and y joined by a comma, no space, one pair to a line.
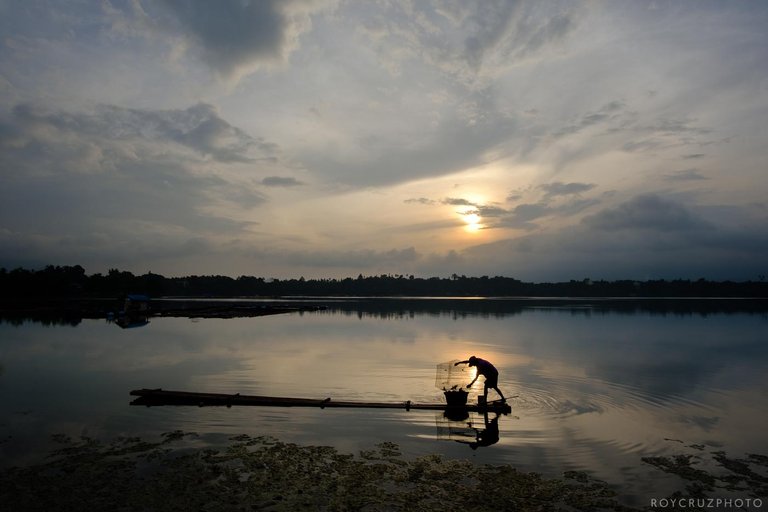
593,385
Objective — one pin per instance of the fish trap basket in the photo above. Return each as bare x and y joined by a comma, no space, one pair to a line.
451,379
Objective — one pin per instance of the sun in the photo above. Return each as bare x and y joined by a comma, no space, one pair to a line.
473,222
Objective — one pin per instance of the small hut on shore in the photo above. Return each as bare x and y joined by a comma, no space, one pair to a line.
136,304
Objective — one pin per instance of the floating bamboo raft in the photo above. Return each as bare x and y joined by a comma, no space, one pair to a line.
156,397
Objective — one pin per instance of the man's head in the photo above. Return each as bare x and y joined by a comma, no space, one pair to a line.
472,361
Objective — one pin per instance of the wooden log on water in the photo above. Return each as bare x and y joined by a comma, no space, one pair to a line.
157,397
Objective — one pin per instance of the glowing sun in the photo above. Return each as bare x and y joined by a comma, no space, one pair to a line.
473,222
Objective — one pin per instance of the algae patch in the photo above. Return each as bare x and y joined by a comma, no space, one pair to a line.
262,473
718,475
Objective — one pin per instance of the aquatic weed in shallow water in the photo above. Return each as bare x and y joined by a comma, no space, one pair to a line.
262,473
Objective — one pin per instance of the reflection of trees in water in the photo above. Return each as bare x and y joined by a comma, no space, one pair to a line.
45,318
404,308
72,312
397,308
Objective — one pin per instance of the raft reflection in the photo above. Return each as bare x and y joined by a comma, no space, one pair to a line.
479,431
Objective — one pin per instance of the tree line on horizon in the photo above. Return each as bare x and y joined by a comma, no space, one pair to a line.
73,282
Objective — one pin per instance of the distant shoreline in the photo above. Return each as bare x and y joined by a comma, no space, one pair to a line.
73,282
74,309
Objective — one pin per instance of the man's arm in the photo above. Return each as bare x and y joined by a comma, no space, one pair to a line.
461,362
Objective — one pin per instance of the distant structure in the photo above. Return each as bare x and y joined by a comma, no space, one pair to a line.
135,312
136,304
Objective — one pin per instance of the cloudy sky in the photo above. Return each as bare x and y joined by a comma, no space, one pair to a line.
538,140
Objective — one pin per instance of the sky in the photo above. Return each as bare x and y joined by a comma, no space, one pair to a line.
544,141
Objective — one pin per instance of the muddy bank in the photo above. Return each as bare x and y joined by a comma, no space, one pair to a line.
179,472
258,473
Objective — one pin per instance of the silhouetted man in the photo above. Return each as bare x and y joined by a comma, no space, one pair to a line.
488,371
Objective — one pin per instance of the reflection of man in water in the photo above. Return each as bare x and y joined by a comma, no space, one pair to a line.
488,436
488,371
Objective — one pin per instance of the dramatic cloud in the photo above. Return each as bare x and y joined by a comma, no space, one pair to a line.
235,37
646,212
660,236
119,181
541,140
83,134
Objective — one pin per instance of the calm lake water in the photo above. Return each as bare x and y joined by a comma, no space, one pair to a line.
595,387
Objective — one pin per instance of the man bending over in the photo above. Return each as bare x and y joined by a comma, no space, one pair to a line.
487,370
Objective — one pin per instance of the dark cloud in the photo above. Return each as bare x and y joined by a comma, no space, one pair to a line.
420,200
575,206
686,175
198,127
457,201
484,211
648,236
522,216
647,212
560,199
490,211
233,35
531,211
559,188
116,182
281,181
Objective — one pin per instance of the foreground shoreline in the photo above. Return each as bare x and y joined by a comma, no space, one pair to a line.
263,473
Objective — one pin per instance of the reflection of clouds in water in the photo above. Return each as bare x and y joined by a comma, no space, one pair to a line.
594,392
662,356
658,378
707,424
568,407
